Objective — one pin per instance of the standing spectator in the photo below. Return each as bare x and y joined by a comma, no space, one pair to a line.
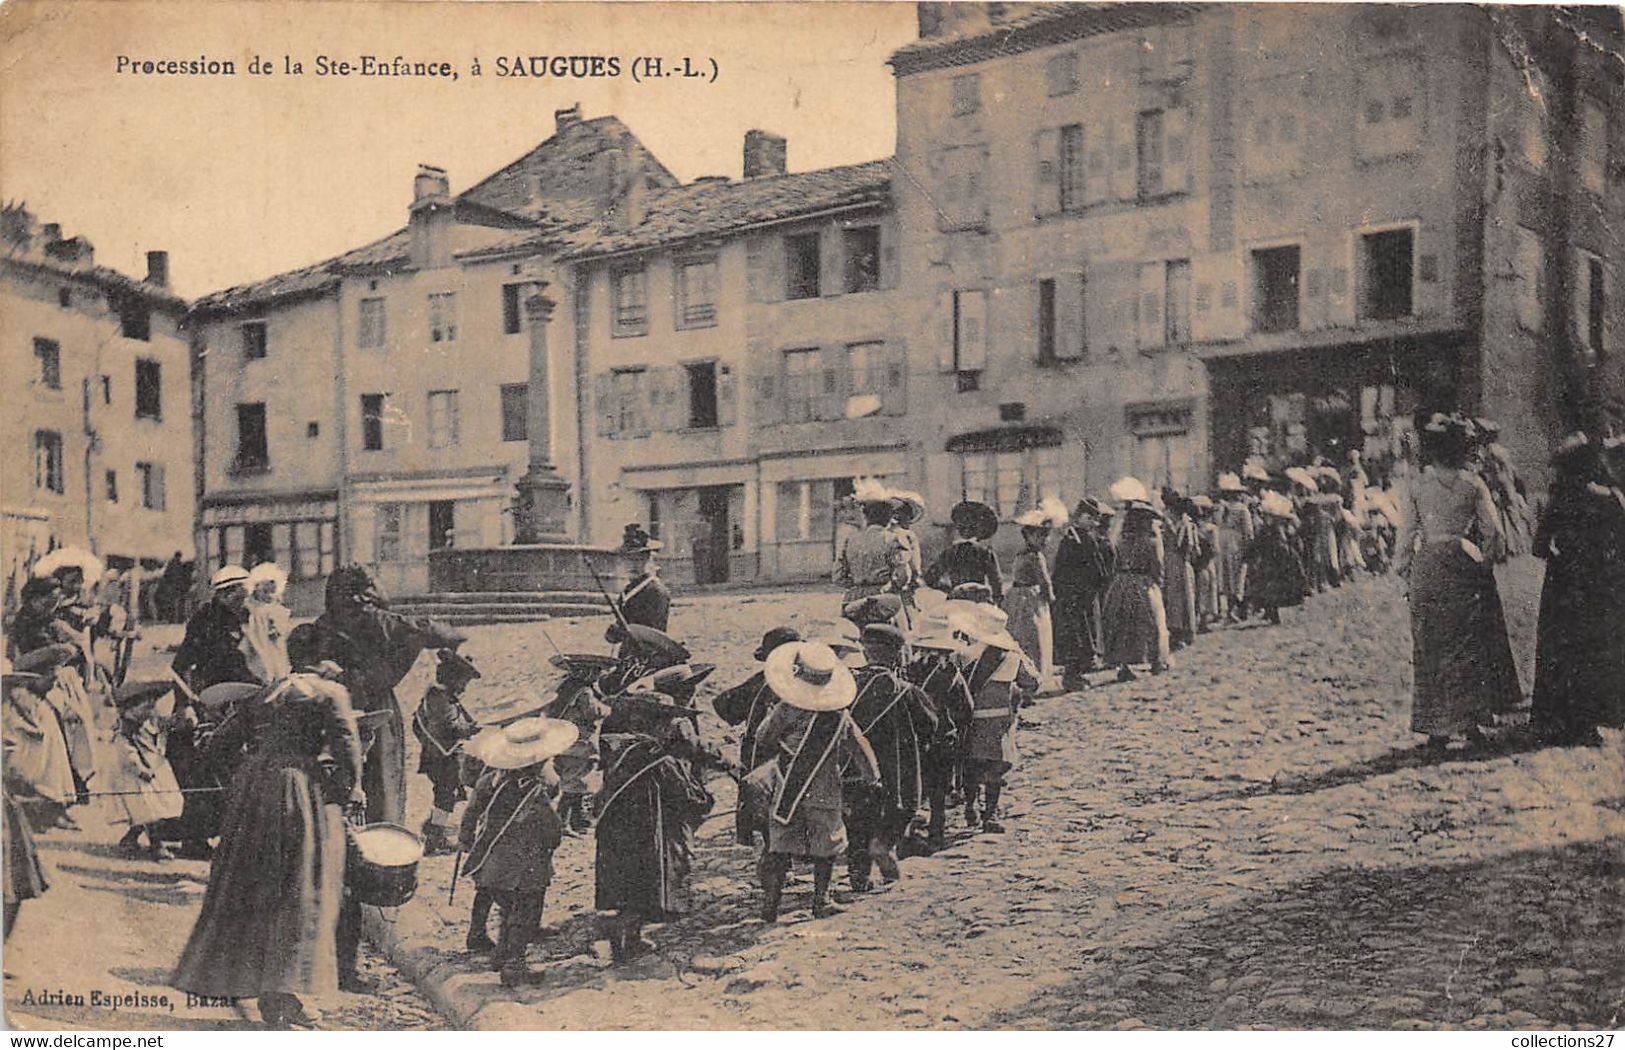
1136,623
1451,538
1276,577
969,559
1209,603
1178,576
1083,569
1580,652
1031,593
872,560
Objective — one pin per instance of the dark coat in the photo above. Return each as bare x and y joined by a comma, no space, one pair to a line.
1084,562
441,723
899,720
212,651
1275,573
647,601
510,829
941,679
966,561
747,704
651,803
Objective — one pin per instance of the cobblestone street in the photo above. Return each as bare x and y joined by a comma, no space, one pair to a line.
1250,840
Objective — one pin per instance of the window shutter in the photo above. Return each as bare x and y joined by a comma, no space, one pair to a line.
768,406
1097,182
1109,314
945,332
1152,295
1176,150
605,396
727,397
1125,160
831,261
158,486
1205,277
771,272
972,331
1231,301
1070,337
1048,147
829,398
890,261
674,395
1580,298
894,380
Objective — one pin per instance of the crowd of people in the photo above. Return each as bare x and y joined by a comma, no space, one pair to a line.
268,744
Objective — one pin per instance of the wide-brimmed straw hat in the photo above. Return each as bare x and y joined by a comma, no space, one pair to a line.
523,743
1049,514
223,694
1275,505
974,520
810,676
874,608
1128,490
973,593
1255,470
987,624
10,677
70,558
228,576
1303,478
1231,483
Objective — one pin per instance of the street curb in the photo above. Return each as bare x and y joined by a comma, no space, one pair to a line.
431,975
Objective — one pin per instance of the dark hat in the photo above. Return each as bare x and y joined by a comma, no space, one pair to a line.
650,645
305,648
876,608
883,634
634,540
773,639
131,694
1093,507
980,593
974,520
453,664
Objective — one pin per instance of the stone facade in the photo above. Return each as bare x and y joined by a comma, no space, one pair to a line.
99,422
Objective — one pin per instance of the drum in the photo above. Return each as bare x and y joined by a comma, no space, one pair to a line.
382,867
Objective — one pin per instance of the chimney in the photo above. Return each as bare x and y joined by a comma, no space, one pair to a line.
930,19
563,118
431,215
158,269
70,249
765,154
948,19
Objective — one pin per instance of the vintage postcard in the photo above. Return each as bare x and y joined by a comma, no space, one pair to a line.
893,516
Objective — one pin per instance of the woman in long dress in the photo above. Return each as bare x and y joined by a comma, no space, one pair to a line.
265,635
1464,674
1179,541
1235,520
1030,597
1276,577
270,916
1580,652
1135,622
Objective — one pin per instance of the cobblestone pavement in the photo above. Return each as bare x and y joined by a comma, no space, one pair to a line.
116,927
1252,840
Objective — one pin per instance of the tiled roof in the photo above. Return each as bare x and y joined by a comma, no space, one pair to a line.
105,277
707,209
565,164
1027,26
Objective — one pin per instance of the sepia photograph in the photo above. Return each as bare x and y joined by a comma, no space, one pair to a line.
808,516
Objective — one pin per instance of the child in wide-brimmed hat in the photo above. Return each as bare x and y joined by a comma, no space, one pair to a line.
998,676
511,830
812,737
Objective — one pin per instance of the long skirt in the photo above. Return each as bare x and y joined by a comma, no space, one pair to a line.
141,801
1030,626
1208,605
70,701
383,769
1077,630
1135,623
1231,564
271,912
42,762
1179,597
1463,662
202,781
25,875
1580,670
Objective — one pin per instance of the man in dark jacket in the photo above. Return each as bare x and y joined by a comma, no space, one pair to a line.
645,600
1083,570
212,650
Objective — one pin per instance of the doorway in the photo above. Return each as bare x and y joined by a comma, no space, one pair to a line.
442,523
713,540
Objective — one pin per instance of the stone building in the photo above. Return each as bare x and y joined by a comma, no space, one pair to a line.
746,363
98,419
1156,239
372,407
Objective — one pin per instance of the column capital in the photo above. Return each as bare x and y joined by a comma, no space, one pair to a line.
539,307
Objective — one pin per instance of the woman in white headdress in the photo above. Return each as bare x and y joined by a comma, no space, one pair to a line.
265,636
1031,592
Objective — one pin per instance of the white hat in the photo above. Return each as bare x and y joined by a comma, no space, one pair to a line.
810,676
70,558
523,743
1050,513
1128,490
1275,504
984,623
914,500
268,571
869,490
1231,483
1302,478
227,576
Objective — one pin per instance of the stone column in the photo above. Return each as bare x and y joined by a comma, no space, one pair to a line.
543,502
